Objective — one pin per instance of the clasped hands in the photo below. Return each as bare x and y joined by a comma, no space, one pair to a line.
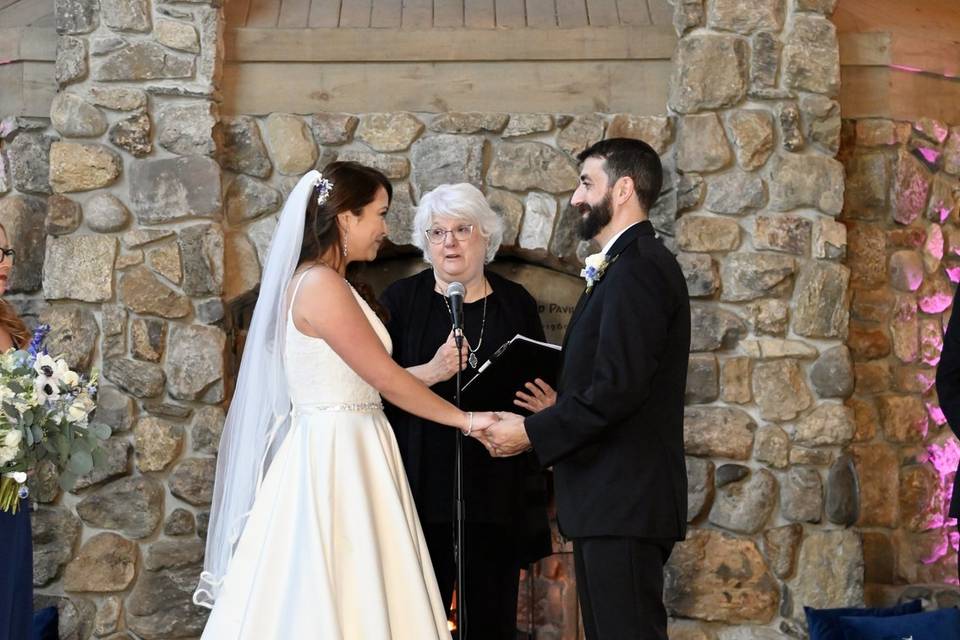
502,433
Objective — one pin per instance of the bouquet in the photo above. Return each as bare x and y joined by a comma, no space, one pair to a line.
44,415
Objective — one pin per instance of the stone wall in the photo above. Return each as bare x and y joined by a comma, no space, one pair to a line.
114,206
771,495
901,211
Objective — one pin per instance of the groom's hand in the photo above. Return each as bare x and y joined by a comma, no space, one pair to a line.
540,396
505,438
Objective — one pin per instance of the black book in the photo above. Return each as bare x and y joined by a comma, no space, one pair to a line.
518,361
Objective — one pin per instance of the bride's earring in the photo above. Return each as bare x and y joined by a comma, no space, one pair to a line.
345,244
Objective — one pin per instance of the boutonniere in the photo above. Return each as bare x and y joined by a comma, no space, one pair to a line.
594,267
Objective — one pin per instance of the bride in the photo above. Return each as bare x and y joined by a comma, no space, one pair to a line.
313,531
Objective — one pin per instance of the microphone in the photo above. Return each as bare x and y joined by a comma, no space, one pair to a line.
455,294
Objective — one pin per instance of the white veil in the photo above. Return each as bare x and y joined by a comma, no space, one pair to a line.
258,417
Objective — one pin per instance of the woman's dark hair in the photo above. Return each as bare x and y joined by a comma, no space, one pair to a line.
354,187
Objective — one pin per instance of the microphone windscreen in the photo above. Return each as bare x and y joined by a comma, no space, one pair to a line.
456,289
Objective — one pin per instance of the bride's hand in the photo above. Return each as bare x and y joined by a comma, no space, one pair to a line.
480,422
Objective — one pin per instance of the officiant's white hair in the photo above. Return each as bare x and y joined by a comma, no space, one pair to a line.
460,201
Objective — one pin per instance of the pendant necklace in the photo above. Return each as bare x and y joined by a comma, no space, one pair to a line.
472,359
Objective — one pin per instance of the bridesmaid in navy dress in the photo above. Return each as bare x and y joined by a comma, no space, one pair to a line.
16,548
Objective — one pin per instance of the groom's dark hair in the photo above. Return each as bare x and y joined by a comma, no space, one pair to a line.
634,159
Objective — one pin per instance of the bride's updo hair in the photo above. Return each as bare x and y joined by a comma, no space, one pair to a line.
354,187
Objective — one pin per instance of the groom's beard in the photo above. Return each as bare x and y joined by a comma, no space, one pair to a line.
598,216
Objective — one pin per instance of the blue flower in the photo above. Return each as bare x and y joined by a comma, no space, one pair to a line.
36,343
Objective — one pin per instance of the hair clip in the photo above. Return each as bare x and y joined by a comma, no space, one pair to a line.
324,187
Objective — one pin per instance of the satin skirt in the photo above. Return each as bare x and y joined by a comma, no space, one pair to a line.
332,548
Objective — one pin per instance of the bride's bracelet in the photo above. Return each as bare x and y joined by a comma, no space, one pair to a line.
469,424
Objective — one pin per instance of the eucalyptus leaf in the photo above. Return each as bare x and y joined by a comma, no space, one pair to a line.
28,417
81,462
37,433
15,387
68,480
103,431
99,458
63,445
28,435
11,411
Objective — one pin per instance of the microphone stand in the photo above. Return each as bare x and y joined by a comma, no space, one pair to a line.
460,510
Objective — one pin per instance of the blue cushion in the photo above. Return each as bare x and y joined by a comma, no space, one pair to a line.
943,624
823,624
45,624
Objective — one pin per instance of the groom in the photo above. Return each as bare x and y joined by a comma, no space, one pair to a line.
615,434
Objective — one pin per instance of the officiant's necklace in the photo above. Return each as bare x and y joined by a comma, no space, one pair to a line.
472,360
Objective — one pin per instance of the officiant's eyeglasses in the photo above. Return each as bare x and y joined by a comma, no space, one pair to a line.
462,233
7,253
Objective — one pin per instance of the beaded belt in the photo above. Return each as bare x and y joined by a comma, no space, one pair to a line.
346,407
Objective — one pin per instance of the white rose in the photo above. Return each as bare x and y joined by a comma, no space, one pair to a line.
595,260
7,454
71,378
12,439
76,412
19,477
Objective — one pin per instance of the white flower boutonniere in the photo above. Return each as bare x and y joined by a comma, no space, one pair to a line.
593,269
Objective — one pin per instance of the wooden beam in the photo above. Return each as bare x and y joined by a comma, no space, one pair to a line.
25,13
899,51
885,92
353,45
866,49
39,87
634,86
28,43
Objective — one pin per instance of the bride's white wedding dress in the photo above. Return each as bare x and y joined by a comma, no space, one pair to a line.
332,548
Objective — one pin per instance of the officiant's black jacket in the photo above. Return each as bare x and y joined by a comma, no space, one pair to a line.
948,388
615,435
518,482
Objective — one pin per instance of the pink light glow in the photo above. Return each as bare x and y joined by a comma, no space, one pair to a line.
903,67
934,245
954,274
936,414
944,214
936,302
943,458
930,155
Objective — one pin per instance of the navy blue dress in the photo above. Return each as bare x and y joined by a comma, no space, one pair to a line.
16,574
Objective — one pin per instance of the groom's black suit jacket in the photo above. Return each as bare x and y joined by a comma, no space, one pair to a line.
615,435
948,388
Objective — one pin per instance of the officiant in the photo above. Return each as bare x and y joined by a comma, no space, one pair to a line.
506,519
